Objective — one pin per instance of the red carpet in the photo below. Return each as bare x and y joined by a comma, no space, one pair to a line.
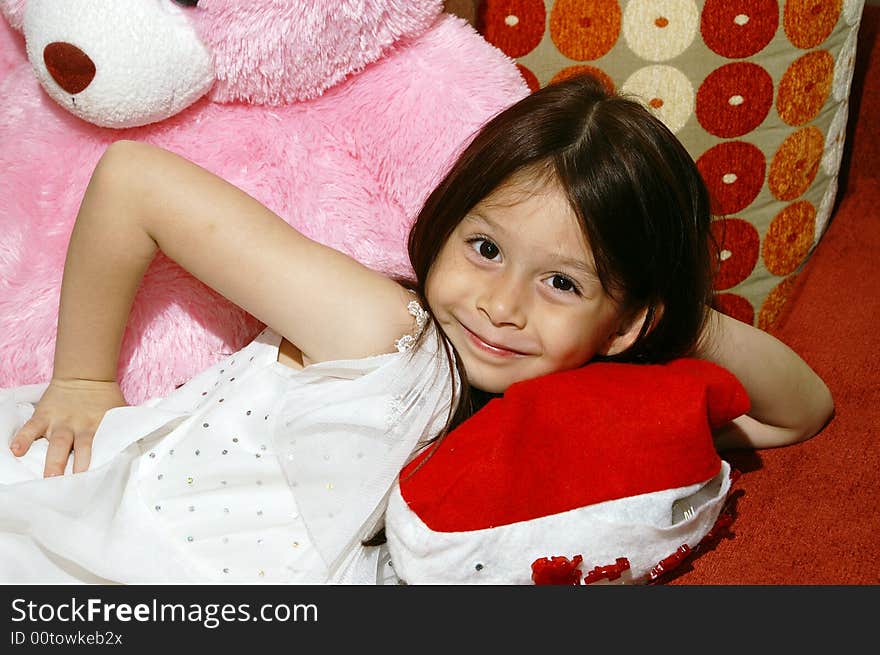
810,513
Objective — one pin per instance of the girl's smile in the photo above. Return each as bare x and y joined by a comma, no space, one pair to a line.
492,348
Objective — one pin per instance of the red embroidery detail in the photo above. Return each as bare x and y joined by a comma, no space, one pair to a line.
667,564
609,572
720,529
557,570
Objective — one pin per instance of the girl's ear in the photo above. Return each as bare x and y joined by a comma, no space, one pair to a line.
628,330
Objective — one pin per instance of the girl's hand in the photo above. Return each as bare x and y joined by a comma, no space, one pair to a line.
68,415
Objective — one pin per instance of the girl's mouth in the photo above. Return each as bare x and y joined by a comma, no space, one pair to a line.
489,347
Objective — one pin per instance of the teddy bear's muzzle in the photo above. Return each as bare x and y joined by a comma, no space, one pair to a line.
69,66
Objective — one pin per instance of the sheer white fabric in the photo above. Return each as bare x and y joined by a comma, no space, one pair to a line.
252,472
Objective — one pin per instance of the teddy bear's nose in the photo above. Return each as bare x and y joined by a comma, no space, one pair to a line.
69,66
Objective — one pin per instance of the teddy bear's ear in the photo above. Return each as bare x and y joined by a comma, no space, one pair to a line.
286,51
13,12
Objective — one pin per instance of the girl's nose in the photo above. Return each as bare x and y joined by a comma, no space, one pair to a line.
502,300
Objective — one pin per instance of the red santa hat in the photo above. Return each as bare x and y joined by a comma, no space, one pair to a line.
605,472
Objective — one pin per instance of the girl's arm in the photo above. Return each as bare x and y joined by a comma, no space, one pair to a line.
141,199
789,402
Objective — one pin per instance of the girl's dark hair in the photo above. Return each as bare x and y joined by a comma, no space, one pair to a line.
642,203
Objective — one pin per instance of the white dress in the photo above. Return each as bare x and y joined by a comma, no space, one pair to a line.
252,472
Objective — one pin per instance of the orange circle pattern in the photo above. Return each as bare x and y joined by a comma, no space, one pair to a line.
585,29
808,23
789,238
804,87
598,73
795,164
773,304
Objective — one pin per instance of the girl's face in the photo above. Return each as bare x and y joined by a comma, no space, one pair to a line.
515,289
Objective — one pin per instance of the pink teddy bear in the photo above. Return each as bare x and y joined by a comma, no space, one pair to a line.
338,116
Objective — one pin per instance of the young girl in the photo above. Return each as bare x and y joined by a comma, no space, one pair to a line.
574,227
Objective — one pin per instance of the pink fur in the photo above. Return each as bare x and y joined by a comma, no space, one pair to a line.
304,47
349,167
11,45
13,11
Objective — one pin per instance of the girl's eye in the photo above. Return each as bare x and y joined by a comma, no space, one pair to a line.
485,248
562,283
186,3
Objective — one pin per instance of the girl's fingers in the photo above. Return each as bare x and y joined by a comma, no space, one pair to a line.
82,451
32,430
60,445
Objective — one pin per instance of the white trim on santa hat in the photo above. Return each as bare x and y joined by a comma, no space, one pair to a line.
645,529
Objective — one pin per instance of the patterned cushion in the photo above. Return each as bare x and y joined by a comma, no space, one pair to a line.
757,91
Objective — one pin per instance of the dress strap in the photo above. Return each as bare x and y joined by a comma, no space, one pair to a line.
407,341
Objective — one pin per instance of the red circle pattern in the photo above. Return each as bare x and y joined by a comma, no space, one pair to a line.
530,78
738,245
736,306
738,28
734,99
515,27
734,173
